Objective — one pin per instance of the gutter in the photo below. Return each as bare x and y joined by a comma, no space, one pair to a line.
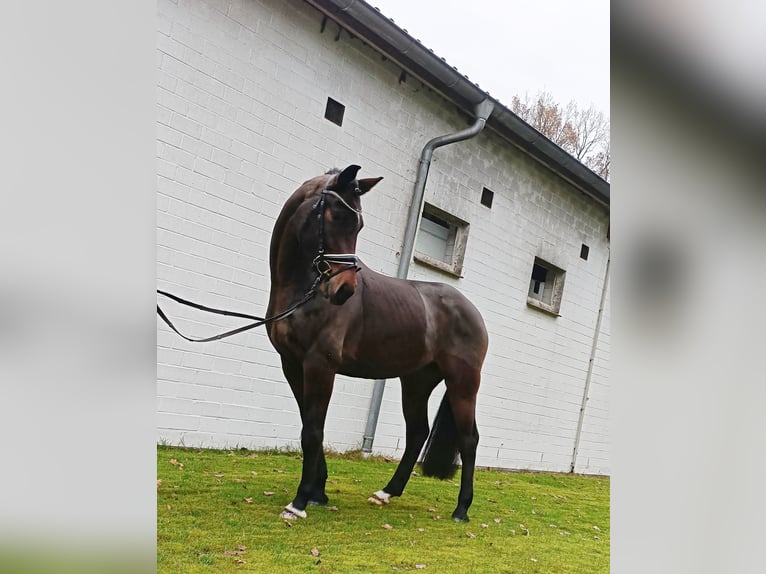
483,111
589,375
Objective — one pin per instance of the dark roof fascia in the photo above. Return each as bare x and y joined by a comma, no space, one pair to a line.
382,34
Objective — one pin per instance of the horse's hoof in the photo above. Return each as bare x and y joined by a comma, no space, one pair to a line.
458,518
291,513
380,498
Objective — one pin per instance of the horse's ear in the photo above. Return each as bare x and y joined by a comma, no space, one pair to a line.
365,185
346,176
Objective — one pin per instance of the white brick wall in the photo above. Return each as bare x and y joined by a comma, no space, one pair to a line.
242,88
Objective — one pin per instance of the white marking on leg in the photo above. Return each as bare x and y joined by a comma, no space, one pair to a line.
291,513
380,498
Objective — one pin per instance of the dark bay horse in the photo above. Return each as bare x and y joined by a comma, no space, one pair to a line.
360,323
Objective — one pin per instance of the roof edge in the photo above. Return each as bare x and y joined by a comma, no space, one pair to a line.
385,36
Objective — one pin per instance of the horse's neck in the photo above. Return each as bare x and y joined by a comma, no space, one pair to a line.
292,272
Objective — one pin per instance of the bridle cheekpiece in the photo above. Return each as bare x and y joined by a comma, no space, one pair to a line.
323,260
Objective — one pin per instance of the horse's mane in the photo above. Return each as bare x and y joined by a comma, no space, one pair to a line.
307,189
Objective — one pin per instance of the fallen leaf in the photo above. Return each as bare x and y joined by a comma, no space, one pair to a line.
496,520
249,499
239,480
240,561
470,535
218,475
241,548
387,527
421,529
552,526
236,552
174,462
492,500
485,525
533,559
332,508
268,493
159,482
288,524
596,528
431,510
315,552
419,566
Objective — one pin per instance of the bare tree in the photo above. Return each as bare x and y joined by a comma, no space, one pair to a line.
582,133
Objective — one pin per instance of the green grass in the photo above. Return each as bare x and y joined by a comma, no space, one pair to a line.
520,522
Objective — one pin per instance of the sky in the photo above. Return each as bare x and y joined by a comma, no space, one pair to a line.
511,47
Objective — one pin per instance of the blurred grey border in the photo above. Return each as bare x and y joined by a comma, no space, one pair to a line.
77,325
688,242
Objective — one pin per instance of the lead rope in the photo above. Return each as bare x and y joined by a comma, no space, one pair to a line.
258,320
324,275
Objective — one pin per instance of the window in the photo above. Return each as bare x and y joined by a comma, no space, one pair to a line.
584,250
441,240
334,111
546,287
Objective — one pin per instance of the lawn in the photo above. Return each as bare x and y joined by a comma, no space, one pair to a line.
218,511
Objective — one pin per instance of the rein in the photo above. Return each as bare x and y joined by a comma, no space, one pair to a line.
321,263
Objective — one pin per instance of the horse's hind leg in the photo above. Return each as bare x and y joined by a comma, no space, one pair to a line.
416,388
462,383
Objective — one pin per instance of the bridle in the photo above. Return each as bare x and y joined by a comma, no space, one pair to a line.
323,260
321,264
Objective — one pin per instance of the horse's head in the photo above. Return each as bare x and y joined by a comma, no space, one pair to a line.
341,223
333,219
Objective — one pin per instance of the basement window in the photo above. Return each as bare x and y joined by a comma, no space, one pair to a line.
334,111
441,240
546,287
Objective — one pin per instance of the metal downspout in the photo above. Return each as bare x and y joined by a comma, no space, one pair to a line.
592,360
483,111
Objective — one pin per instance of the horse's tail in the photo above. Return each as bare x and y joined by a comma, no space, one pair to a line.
440,455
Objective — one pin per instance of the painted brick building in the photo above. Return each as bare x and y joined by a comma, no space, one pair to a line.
250,99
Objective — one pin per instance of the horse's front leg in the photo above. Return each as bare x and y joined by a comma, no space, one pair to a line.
317,388
293,370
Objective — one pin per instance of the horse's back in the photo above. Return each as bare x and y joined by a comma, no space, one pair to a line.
429,319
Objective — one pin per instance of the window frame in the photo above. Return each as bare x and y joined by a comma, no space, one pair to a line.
458,237
552,307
